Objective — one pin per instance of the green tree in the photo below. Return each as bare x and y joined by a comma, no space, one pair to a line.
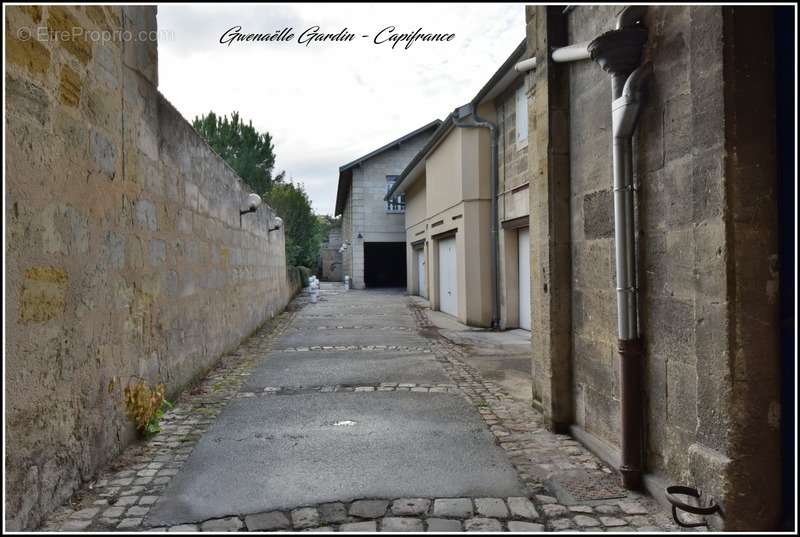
250,153
302,228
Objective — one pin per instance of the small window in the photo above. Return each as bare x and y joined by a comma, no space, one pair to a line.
397,203
522,118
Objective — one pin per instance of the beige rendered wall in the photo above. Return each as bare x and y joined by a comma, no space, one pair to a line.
416,202
125,254
454,169
444,187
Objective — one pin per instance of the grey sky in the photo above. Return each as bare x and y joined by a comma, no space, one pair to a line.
328,103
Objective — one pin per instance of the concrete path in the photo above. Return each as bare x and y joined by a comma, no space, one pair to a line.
363,412
502,357
306,446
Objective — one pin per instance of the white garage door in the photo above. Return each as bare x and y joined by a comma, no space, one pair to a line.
524,264
448,278
423,289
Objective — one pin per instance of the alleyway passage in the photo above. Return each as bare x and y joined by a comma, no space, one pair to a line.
353,413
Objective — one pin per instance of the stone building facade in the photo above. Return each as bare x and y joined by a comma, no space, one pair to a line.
372,231
707,243
513,201
126,253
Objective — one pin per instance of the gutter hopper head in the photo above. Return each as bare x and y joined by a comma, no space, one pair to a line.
619,51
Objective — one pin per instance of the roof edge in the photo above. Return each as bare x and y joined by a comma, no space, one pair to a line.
341,189
508,64
404,138
438,134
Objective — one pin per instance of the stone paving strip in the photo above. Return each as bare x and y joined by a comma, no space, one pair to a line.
121,496
317,348
408,515
361,388
393,515
361,327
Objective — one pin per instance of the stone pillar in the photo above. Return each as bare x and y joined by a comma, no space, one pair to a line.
548,164
737,457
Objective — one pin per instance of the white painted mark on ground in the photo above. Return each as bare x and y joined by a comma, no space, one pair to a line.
345,423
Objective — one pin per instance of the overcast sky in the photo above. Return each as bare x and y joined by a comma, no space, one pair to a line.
326,104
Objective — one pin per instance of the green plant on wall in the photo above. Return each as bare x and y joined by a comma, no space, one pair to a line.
145,405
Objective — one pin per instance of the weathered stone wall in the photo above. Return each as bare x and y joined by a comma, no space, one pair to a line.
679,218
513,202
125,250
707,250
330,269
513,166
550,221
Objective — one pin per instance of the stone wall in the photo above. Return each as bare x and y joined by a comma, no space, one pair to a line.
330,269
701,267
125,254
513,201
676,235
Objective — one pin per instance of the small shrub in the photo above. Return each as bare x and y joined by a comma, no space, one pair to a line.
146,406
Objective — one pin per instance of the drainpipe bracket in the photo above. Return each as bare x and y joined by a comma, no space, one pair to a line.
630,347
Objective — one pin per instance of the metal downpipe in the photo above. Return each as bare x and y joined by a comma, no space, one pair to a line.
619,52
625,114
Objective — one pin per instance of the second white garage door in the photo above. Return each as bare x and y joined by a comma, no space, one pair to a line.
448,277
421,275
524,265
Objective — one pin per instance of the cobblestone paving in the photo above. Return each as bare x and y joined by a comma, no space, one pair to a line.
120,499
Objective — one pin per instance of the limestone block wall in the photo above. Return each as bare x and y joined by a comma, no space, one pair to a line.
706,243
125,254
513,202
330,268
678,235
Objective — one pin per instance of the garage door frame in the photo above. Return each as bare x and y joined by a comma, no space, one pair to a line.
448,275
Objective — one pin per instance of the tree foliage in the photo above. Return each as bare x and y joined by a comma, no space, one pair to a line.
302,228
250,153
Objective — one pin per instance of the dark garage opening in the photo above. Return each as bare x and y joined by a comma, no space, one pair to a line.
385,264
